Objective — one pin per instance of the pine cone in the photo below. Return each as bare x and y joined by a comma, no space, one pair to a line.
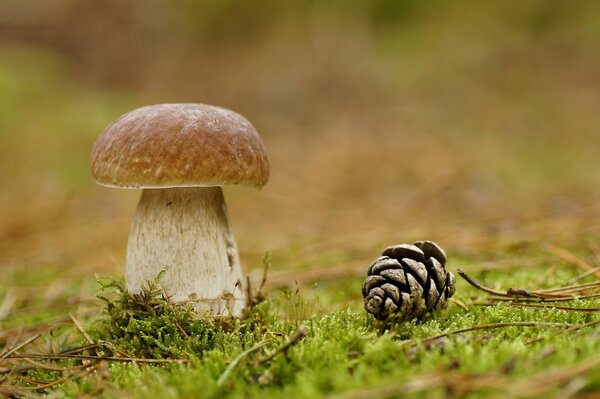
408,281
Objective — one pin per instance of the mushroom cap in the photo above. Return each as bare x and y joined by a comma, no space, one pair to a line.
180,145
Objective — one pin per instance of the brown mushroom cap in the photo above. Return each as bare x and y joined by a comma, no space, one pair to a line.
180,145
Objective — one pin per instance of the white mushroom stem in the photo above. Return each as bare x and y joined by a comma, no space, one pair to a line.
185,232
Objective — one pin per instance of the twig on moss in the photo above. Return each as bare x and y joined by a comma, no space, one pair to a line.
536,306
497,325
542,300
475,284
36,365
565,326
297,337
576,327
43,385
86,357
566,293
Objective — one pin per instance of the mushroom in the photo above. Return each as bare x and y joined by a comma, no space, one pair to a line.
181,155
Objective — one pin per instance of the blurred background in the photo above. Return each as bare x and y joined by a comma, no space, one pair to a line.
475,124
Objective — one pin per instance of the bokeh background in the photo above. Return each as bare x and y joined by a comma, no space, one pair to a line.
475,124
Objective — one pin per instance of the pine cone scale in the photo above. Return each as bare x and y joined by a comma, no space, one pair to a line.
406,305
396,275
433,295
389,306
431,250
416,269
373,282
404,251
382,264
392,291
451,285
439,274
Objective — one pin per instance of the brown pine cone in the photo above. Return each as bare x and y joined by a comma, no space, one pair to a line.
408,281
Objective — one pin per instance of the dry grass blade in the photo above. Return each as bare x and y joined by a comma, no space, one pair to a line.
585,274
38,385
10,352
585,325
571,258
535,306
81,330
237,360
571,288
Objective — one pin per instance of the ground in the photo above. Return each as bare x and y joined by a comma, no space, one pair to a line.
518,352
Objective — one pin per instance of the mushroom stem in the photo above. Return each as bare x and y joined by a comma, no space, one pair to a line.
185,232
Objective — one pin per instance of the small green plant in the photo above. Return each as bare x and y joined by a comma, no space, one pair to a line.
148,324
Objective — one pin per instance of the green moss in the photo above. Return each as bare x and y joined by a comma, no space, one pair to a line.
344,349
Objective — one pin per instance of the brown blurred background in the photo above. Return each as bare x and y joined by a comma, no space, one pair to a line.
472,123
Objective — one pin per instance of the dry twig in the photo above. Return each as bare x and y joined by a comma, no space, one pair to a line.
566,293
496,325
39,385
9,353
536,306
297,337
86,357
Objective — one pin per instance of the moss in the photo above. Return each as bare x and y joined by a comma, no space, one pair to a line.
345,351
